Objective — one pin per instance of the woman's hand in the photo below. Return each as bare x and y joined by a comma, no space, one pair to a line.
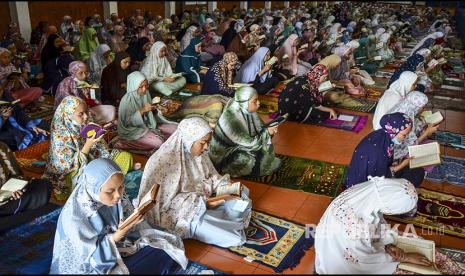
121,232
273,130
168,79
146,108
90,142
415,258
431,129
6,113
332,114
17,194
38,131
396,253
404,163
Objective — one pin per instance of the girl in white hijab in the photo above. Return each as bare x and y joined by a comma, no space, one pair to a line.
396,92
187,179
99,59
186,39
158,72
434,35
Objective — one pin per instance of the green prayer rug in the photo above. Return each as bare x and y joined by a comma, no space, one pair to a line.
438,212
312,176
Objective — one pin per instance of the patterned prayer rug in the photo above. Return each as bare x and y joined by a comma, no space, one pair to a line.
348,122
363,105
441,212
267,106
456,255
274,242
31,159
132,183
43,110
438,102
312,176
454,82
194,268
451,139
27,249
451,171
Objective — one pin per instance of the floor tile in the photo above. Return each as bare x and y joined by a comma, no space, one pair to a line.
281,202
257,190
306,265
312,209
227,265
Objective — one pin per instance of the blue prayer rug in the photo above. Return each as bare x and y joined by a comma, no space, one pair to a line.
194,268
132,183
28,249
451,170
277,243
451,139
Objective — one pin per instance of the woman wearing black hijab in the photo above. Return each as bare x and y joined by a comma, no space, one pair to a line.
52,49
228,35
137,50
114,78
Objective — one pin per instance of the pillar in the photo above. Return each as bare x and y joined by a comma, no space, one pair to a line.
212,5
286,4
267,4
19,13
170,8
243,5
109,7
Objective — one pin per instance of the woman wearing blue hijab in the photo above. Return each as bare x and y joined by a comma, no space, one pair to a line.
188,61
88,239
411,64
373,156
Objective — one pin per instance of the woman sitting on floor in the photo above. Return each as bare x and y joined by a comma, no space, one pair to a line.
69,152
137,127
302,100
157,70
241,145
255,71
15,82
35,195
114,77
103,114
98,60
413,64
393,95
17,129
188,61
188,182
56,70
344,74
373,156
351,237
220,76
88,239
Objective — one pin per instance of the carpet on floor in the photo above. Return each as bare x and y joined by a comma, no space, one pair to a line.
350,122
439,212
132,183
267,106
33,158
312,176
362,105
456,255
448,138
440,102
28,249
43,110
451,170
194,268
275,242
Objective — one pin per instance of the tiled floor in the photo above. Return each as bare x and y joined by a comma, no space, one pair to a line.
314,142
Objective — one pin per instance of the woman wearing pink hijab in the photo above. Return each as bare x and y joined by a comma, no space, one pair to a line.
288,54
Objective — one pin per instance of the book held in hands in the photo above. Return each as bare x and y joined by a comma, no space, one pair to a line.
325,86
91,129
426,248
145,205
12,185
432,118
424,155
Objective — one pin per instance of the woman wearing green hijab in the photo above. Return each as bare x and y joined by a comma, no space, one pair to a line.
137,125
189,61
241,144
369,49
87,44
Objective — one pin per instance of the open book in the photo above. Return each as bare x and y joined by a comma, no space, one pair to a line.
432,118
277,121
229,189
379,46
304,46
316,44
239,85
176,75
325,86
271,61
12,185
146,203
425,155
433,63
423,247
90,129
5,103
84,84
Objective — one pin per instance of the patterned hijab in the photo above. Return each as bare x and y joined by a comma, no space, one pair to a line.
411,64
222,69
68,86
291,52
185,180
154,67
313,78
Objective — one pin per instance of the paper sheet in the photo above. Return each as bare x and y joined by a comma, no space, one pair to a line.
346,118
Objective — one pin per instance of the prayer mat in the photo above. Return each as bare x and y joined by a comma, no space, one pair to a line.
347,122
194,268
454,82
448,138
28,249
437,211
456,255
277,243
451,171
312,176
132,183
363,105
277,90
267,106
440,102
338,98
43,110
31,159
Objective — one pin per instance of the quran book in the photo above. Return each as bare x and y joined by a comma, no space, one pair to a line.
420,246
316,44
9,103
145,205
379,46
12,185
229,189
84,84
261,37
325,86
347,118
304,46
377,58
442,61
90,129
176,75
271,61
239,85
424,155
156,100
433,118
277,121
433,62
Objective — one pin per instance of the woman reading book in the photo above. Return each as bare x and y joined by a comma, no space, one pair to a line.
353,237
241,144
69,152
71,86
373,156
139,128
158,72
90,239
189,201
220,76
